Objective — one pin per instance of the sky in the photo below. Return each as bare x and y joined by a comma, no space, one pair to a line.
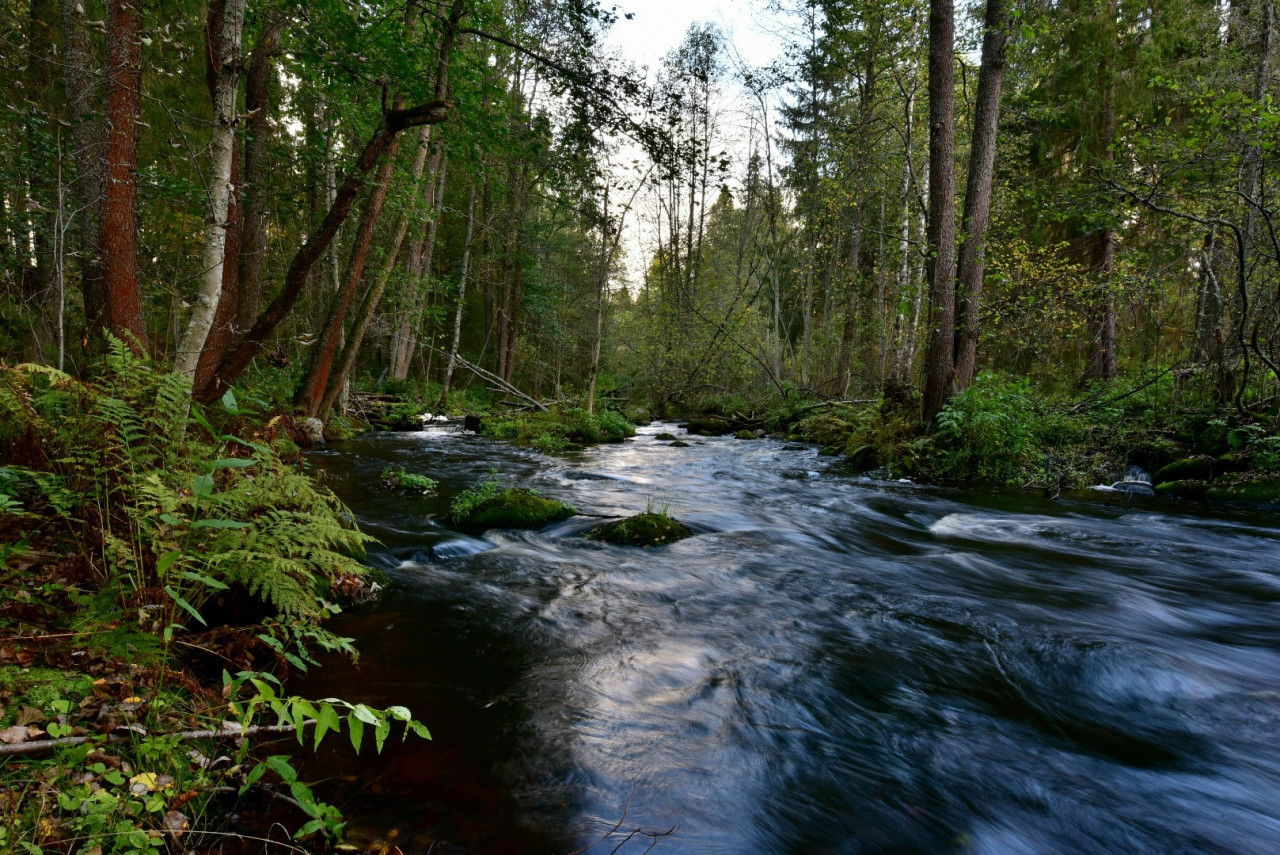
658,27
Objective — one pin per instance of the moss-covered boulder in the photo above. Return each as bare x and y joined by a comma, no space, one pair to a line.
1183,489
647,529
1257,492
1235,461
709,427
1187,469
679,443
745,434
665,437
515,507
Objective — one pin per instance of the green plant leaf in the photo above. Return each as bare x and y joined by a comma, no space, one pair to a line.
185,605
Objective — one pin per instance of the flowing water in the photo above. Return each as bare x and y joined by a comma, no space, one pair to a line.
833,664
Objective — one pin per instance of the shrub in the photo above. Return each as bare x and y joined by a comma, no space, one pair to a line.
986,433
400,480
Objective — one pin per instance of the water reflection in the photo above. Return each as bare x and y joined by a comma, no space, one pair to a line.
832,664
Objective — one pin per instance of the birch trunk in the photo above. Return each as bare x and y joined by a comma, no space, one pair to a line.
220,190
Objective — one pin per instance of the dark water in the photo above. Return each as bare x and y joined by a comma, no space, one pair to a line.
832,665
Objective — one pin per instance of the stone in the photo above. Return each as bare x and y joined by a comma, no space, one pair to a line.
644,530
313,430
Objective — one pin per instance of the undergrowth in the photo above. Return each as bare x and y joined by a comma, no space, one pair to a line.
162,564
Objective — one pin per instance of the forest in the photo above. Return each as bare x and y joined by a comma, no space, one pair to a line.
1021,244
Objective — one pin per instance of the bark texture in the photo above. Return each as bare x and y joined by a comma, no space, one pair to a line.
120,192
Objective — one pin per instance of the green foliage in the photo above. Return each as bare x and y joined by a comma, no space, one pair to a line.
558,429
987,432
185,510
465,503
398,479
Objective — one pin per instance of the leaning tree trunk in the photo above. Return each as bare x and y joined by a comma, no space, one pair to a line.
120,191
351,350
83,100
311,394
602,279
462,297
940,363
222,148
977,197
392,124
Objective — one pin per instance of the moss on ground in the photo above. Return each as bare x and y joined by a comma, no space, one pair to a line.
644,530
515,507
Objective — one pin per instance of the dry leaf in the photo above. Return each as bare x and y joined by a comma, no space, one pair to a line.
175,822
30,715
14,735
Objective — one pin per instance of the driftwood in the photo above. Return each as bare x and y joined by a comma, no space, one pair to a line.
490,377
42,745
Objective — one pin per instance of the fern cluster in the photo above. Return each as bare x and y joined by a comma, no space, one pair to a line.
165,507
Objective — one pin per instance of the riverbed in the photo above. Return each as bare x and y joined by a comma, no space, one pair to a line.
832,664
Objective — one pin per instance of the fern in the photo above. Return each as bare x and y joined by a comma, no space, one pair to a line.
168,507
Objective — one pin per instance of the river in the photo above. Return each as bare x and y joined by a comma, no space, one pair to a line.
833,664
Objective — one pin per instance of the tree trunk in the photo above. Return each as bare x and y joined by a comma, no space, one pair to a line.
602,281
420,256
977,197
221,190
83,99
1102,350
1101,363
41,282
392,124
120,191
312,392
257,104
462,297
940,363
346,363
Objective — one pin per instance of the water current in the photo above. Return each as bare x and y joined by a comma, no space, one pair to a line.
833,664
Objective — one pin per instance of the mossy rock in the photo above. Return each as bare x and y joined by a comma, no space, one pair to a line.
864,459
1256,492
1235,461
830,451
1188,469
1183,489
709,427
679,443
516,507
641,530
745,434
665,436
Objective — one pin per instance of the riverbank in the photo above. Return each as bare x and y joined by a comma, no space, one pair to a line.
164,569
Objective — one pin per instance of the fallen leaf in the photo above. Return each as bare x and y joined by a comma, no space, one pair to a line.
175,822
14,735
143,783
30,715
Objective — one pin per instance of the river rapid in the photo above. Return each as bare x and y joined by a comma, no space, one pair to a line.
833,664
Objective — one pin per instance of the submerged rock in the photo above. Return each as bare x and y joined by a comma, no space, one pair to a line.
1134,488
679,443
643,530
